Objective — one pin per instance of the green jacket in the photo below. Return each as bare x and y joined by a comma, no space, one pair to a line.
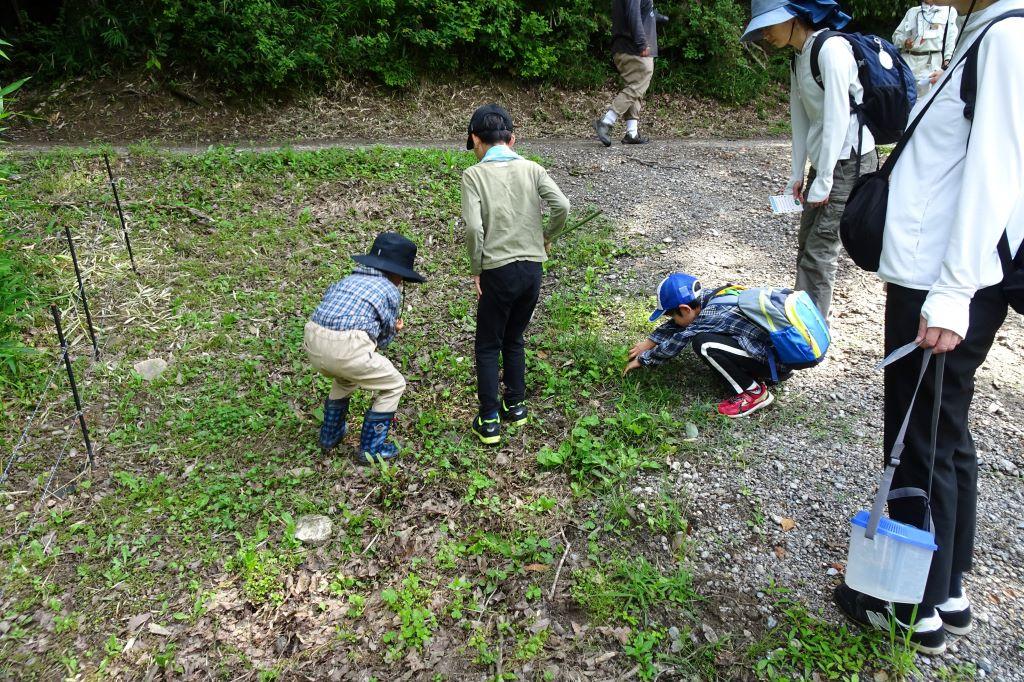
502,212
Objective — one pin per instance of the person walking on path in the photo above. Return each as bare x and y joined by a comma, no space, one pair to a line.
926,38
952,208
825,130
634,47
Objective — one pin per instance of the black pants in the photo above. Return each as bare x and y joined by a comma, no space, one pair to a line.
954,499
724,355
510,294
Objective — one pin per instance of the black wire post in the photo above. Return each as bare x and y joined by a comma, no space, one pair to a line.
120,213
81,292
71,380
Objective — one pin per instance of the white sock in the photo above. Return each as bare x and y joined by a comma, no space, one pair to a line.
610,117
754,388
632,127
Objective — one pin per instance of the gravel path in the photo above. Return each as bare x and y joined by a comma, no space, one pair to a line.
703,209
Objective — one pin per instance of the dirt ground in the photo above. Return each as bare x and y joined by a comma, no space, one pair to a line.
133,110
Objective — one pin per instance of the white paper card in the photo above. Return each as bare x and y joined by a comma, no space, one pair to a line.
785,203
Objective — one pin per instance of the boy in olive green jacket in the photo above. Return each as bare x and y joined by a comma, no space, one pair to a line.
501,207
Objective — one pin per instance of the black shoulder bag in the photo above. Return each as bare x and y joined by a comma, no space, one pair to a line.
863,220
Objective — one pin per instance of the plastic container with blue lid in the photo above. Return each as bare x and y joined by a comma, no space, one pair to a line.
893,566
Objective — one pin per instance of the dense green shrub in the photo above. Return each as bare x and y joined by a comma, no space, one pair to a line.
252,46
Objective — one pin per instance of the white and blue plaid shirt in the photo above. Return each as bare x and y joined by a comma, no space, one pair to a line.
365,300
715,319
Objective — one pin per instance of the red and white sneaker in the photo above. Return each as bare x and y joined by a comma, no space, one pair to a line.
746,402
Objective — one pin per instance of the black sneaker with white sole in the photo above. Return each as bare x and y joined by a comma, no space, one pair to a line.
635,139
927,635
956,616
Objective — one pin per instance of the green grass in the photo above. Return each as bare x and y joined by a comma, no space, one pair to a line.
803,646
203,472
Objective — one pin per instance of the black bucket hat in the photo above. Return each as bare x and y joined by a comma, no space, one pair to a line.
391,252
479,123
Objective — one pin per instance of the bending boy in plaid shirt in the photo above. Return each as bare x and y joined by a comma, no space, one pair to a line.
357,317
721,336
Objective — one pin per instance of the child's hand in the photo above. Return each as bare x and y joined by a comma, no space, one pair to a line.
641,347
631,365
476,283
399,325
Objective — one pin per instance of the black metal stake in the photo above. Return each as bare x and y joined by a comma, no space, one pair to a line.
120,213
81,292
71,380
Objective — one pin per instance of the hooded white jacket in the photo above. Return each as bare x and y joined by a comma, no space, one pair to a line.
949,204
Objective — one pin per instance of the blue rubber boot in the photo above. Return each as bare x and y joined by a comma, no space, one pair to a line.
334,427
374,445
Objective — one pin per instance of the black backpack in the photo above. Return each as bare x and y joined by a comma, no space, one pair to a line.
890,91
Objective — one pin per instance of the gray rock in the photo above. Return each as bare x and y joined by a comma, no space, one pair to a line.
313,529
150,369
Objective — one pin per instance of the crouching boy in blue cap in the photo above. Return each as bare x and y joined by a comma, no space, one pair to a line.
721,336
357,317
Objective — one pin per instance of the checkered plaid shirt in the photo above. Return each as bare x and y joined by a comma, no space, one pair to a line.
713,318
365,300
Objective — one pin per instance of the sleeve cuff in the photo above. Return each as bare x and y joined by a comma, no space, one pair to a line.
820,189
645,359
949,310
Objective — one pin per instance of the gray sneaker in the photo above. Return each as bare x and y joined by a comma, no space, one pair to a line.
635,139
602,129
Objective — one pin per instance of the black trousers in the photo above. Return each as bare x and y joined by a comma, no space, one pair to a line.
954,498
510,294
725,356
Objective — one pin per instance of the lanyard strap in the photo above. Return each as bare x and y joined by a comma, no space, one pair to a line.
897,448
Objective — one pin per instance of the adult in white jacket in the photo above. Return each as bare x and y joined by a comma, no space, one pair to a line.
926,38
950,204
825,131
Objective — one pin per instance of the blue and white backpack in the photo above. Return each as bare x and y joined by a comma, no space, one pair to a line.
795,326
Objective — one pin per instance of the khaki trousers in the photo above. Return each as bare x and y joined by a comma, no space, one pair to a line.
351,359
637,72
818,240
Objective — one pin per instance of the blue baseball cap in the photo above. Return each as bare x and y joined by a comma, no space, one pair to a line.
765,13
675,290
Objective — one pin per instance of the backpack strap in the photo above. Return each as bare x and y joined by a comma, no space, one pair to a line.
969,77
819,40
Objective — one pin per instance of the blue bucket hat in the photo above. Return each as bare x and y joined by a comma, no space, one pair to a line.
675,290
765,13
817,13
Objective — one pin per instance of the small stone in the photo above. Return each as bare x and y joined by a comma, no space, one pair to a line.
678,538
772,622
668,240
986,665
691,431
150,369
313,529
157,629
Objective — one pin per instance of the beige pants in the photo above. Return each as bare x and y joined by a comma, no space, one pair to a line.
637,72
351,359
